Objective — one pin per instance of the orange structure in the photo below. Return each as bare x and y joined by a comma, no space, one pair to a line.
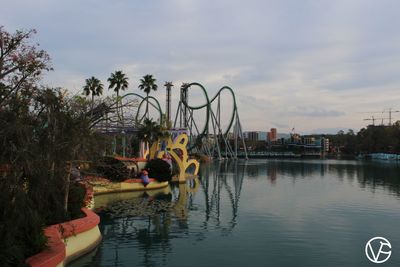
274,134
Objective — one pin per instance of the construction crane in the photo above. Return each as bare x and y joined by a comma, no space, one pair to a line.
390,111
373,120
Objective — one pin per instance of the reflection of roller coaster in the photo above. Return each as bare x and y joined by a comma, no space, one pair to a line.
217,177
211,140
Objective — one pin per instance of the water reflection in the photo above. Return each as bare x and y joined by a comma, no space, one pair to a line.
215,178
146,230
369,174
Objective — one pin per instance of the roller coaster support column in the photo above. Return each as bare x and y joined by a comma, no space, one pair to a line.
123,143
185,108
114,145
168,86
241,134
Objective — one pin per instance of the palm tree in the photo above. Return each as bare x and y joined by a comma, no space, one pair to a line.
118,81
94,87
150,131
148,83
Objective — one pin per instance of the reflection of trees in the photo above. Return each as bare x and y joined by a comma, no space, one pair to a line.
375,175
153,232
168,213
221,184
253,170
150,233
368,174
122,230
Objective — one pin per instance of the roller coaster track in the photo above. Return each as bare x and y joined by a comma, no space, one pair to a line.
211,142
146,100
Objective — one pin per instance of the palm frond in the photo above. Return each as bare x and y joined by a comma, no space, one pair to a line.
148,83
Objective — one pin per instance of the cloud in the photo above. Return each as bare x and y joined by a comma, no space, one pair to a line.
309,64
312,111
280,125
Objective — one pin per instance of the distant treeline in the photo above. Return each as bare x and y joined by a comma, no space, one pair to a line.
373,139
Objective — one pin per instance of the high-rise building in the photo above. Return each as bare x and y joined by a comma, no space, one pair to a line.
269,136
274,134
262,136
255,136
252,136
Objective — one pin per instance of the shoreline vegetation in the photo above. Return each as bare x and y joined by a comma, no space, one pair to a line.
372,142
44,134
369,141
48,140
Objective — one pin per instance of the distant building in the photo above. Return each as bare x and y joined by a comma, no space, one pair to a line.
274,134
308,140
295,138
262,136
255,136
325,144
252,136
283,136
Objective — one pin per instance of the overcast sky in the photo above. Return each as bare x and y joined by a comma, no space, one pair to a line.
312,65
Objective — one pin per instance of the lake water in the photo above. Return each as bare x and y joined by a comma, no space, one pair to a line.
258,213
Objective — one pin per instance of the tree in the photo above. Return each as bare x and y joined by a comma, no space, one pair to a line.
150,131
41,141
94,87
41,136
118,81
21,65
147,84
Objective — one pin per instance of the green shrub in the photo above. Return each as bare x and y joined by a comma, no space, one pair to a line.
21,226
113,169
76,197
41,131
159,169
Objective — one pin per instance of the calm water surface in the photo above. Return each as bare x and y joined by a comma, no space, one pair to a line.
258,213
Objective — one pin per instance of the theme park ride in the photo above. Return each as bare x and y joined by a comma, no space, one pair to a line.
211,139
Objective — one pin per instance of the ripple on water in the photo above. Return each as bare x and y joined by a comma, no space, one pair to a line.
280,213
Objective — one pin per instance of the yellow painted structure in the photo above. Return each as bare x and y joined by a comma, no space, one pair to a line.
105,188
182,159
180,207
103,200
80,244
68,241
